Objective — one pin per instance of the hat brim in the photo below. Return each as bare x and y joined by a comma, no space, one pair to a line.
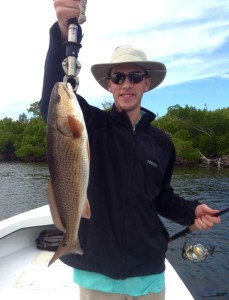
156,71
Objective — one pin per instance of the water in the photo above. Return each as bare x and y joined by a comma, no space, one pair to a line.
208,279
24,186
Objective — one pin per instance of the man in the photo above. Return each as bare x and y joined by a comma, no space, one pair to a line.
131,166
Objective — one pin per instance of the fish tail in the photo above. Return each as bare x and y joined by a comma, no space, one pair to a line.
65,249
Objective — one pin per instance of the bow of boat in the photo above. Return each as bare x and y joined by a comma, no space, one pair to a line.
24,271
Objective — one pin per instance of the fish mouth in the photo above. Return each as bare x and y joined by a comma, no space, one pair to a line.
66,88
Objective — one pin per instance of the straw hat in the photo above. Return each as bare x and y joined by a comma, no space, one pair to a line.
127,54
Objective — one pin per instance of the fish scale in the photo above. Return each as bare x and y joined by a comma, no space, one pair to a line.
71,187
68,162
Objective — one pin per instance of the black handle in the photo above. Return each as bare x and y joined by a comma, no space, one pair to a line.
222,212
73,21
193,227
74,38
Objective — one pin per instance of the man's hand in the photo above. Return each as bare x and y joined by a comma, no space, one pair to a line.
204,217
66,10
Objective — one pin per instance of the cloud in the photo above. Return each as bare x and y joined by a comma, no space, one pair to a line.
186,36
190,37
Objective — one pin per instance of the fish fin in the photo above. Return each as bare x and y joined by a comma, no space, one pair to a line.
75,126
86,211
53,208
64,249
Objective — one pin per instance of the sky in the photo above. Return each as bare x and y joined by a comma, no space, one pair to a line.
191,37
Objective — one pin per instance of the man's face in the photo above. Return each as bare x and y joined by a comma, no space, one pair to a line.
127,95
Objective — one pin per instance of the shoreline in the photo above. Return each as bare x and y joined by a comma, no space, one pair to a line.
221,162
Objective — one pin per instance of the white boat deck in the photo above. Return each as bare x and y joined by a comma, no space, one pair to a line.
25,275
24,271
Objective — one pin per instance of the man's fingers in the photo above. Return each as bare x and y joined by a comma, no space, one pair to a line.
206,222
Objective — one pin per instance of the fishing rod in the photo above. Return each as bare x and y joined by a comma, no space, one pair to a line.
193,227
195,252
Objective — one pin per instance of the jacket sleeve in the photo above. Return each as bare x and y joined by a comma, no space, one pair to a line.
53,71
172,206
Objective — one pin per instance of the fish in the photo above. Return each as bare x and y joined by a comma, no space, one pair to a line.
68,158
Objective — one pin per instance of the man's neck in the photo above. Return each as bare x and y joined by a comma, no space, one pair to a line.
134,116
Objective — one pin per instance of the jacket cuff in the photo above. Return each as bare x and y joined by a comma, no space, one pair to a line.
56,45
191,216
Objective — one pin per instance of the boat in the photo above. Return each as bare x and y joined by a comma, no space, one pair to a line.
24,268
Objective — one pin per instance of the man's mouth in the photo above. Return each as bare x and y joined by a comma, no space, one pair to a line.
127,95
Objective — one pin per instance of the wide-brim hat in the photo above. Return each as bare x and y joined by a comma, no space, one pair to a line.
127,54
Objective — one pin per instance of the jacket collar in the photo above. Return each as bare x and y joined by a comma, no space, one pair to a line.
122,119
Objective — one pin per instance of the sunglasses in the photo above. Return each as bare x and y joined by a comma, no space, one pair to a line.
133,77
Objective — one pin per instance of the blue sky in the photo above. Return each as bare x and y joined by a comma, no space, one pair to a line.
191,37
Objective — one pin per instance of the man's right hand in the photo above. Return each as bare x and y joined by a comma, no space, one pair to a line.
66,10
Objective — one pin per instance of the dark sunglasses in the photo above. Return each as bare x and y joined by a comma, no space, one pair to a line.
133,77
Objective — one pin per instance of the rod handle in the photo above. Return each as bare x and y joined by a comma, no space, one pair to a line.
193,227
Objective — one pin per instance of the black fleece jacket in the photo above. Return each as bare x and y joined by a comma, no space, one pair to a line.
129,186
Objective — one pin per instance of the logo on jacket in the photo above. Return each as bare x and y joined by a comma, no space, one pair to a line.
150,162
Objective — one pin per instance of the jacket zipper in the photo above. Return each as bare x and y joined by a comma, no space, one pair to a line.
129,197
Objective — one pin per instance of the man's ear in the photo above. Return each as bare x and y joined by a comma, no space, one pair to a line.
148,83
109,86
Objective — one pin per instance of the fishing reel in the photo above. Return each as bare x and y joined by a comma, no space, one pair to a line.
196,252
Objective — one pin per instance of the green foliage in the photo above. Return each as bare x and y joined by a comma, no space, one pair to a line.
222,142
186,150
8,131
34,109
107,105
194,131
32,143
24,138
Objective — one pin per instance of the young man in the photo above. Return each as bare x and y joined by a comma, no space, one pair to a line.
131,165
